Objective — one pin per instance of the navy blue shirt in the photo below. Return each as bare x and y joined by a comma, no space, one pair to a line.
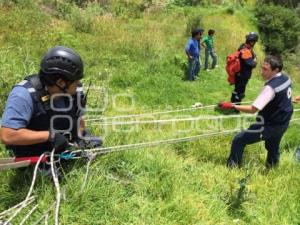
279,111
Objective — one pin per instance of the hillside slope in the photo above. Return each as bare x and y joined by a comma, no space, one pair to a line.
137,65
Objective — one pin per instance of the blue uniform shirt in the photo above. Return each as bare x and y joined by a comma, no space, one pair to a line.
192,47
18,110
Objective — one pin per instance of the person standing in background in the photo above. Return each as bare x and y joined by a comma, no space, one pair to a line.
248,63
192,50
208,44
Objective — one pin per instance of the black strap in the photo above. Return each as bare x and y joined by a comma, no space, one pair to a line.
40,95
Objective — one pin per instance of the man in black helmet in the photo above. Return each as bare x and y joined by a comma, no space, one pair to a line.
248,63
43,112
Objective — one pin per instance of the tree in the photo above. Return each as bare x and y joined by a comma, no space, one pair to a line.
279,28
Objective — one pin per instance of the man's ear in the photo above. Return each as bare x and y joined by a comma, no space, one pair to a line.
61,83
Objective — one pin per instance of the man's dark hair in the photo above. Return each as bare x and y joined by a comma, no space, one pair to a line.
211,31
51,80
274,61
197,31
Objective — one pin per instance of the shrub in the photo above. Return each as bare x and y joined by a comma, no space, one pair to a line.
186,2
193,22
14,2
81,20
279,28
130,9
298,10
64,10
230,10
291,3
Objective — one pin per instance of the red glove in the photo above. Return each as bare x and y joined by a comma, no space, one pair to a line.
226,105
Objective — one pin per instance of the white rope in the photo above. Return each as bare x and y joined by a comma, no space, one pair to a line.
173,120
145,114
23,205
293,120
91,157
117,148
29,214
114,123
8,211
56,183
46,219
156,113
45,215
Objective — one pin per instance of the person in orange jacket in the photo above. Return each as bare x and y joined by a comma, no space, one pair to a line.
248,63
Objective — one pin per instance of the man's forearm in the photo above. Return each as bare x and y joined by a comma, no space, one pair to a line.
296,99
246,108
22,136
188,55
82,125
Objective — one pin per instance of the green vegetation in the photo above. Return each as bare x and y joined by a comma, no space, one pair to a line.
280,28
134,51
290,4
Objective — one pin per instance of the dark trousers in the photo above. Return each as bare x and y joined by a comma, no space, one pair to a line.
272,136
239,89
194,68
210,52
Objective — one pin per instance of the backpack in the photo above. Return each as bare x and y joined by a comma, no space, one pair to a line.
233,66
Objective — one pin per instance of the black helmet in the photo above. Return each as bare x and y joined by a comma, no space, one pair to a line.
251,37
61,62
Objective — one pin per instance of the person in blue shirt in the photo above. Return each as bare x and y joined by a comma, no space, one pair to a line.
275,109
44,111
192,50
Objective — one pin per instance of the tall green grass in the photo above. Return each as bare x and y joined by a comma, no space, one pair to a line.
140,63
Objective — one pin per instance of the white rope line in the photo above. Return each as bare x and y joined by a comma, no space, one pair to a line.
90,159
154,143
56,183
29,199
29,214
173,120
46,219
45,215
8,211
296,119
114,123
157,113
145,114
23,205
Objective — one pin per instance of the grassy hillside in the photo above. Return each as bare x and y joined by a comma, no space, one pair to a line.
137,61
